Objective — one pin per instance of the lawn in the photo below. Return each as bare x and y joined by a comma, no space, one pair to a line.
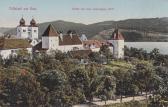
116,64
129,104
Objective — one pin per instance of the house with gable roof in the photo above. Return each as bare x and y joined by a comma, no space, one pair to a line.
115,43
52,40
10,47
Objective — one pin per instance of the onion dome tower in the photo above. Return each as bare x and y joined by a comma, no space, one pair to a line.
22,22
33,23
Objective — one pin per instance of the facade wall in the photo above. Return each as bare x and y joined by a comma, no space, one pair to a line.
27,32
5,54
66,48
118,48
50,43
121,49
22,32
95,49
45,42
53,42
33,32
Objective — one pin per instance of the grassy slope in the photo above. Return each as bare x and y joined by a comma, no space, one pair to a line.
114,65
129,104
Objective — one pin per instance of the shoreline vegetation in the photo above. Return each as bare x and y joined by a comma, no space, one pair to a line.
61,79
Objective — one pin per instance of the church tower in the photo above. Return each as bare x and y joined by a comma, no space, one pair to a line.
50,38
22,29
117,41
27,31
33,30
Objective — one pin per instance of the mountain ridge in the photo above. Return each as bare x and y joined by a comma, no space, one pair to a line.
136,27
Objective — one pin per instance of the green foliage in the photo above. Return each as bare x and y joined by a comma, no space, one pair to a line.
105,50
53,79
58,79
24,90
94,56
157,101
78,78
137,53
108,86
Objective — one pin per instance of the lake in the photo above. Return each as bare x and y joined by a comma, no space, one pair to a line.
162,46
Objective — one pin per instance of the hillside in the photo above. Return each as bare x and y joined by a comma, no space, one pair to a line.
149,29
3,29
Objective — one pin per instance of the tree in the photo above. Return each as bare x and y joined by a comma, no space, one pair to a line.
94,56
154,53
145,76
78,78
97,57
108,86
119,75
56,83
23,56
162,87
36,64
93,82
53,79
105,50
22,90
58,55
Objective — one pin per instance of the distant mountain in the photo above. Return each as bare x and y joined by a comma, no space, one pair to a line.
62,26
147,29
4,29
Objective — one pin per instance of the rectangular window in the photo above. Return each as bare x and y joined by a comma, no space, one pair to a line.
24,30
35,31
12,51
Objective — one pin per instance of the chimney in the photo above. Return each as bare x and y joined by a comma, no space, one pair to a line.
61,36
71,35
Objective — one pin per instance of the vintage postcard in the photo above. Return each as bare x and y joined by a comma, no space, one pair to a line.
84,53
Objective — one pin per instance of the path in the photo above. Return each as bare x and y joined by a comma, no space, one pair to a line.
101,103
128,99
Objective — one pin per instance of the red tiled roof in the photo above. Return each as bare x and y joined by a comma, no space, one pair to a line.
117,35
96,43
50,31
70,40
66,40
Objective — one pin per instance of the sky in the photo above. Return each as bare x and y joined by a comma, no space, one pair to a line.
79,11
